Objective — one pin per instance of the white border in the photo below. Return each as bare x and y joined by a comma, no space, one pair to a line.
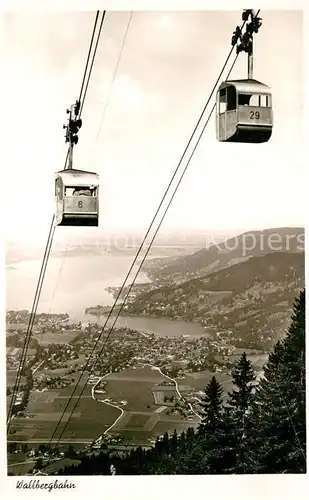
127,5
180,487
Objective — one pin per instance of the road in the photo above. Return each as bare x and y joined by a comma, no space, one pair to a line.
117,419
14,396
107,403
43,441
176,387
97,382
122,412
22,463
42,362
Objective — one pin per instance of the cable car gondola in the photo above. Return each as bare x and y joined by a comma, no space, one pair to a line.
244,111
77,198
244,107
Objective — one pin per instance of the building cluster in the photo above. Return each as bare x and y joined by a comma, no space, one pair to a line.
46,319
59,365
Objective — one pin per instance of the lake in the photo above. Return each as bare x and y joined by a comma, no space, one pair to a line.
159,326
73,283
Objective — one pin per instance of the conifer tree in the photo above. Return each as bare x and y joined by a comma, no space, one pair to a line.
239,401
243,378
174,442
277,423
262,430
165,443
211,407
182,442
214,433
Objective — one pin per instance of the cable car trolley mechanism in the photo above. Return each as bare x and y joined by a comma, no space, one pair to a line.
76,191
244,107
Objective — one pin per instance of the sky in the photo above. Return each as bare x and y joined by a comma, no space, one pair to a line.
136,127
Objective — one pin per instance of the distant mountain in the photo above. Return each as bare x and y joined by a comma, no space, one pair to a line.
232,251
15,254
280,267
253,298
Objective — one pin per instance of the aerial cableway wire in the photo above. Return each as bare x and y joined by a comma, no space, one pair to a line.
139,251
298,443
88,57
114,75
89,52
145,256
85,72
47,248
89,75
91,66
31,321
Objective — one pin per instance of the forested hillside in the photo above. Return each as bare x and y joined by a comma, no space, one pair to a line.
232,251
249,302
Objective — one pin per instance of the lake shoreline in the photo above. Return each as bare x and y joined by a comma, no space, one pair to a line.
163,327
107,310
70,284
81,281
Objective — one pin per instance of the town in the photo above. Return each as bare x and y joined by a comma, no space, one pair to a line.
175,355
59,353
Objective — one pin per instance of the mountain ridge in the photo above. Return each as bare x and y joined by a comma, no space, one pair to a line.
229,252
253,299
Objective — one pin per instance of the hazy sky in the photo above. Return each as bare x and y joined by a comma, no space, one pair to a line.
169,64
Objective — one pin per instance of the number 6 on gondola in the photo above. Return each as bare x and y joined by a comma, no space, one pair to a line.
77,198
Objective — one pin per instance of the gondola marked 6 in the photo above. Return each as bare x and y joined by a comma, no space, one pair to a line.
77,198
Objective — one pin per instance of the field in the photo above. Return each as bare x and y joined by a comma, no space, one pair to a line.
142,422
161,427
16,326
199,380
56,338
21,469
11,377
145,411
20,464
135,387
138,420
17,351
145,374
162,393
258,360
60,464
58,372
137,394
90,418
